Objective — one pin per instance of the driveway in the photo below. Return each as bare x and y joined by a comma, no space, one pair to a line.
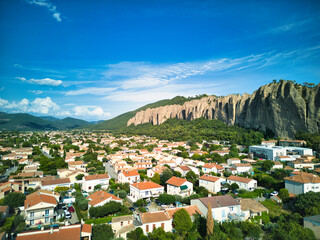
111,171
74,218
7,173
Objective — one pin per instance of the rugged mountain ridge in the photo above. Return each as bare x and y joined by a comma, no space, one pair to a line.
280,108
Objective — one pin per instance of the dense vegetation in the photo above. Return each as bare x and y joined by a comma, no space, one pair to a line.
198,130
312,139
121,120
25,122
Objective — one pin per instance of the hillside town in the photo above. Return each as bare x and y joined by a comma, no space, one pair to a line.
95,185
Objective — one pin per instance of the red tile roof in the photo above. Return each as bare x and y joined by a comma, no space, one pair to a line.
209,178
193,209
303,177
95,177
87,228
146,185
185,168
175,181
151,217
36,198
101,196
239,179
56,181
130,173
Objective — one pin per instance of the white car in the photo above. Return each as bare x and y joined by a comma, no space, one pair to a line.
274,193
67,215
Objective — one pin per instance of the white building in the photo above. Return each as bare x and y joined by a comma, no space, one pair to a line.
144,190
128,177
242,167
212,167
52,184
231,161
179,186
213,184
223,207
271,152
302,182
89,182
243,183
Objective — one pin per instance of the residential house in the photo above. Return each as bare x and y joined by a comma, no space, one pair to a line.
122,225
144,190
183,170
191,210
89,182
77,165
223,207
8,187
58,182
301,164
157,169
40,208
212,167
251,208
213,184
243,183
179,186
232,161
152,220
277,165
242,168
302,183
100,198
68,232
128,177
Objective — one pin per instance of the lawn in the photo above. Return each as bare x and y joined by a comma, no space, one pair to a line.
275,209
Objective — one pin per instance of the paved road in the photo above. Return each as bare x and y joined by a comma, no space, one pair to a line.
111,171
7,174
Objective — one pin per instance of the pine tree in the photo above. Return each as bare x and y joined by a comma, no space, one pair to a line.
210,222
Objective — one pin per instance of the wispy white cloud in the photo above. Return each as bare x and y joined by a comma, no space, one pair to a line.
47,4
91,90
92,111
44,81
38,105
296,26
37,92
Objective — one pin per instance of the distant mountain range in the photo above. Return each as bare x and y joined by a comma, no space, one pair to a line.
27,122
278,109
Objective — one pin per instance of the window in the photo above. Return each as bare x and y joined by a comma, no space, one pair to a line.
154,227
121,224
162,225
147,228
89,188
46,211
46,219
32,214
32,222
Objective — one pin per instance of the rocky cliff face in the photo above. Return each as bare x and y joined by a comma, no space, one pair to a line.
282,108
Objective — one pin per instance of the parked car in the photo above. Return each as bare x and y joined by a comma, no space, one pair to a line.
132,209
68,215
71,209
274,193
64,208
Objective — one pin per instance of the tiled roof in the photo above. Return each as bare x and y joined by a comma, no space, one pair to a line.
87,228
219,201
212,165
146,185
252,205
56,181
185,168
36,198
176,181
239,179
151,217
193,209
101,196
209,178
95,177
303,177
130,173
3,209
122,218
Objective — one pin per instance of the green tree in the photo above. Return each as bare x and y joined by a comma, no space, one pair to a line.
283,194
14,199
102,232
267,165
166,175
182,222
166,199
137,234
80,176
156,178
191,177
210,222
234,186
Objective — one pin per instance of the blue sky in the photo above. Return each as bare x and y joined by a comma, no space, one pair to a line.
96,59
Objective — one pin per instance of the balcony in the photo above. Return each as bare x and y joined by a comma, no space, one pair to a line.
236,216
40,216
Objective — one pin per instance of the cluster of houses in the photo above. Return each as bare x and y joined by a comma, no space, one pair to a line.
42,206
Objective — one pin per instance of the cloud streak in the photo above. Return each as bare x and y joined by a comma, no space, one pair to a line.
91,90
43,81
47,4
